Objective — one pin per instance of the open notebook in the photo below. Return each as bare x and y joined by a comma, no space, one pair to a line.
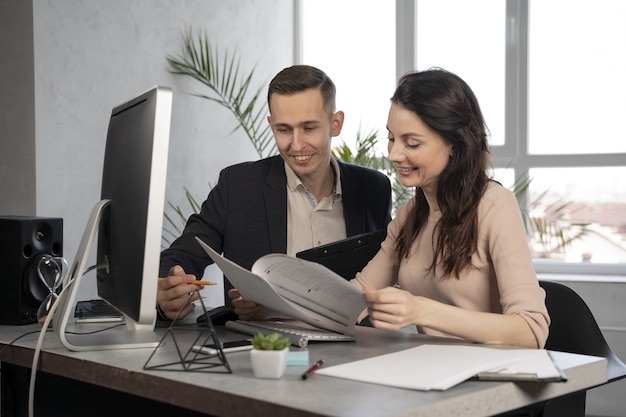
305,291
293,291
439,367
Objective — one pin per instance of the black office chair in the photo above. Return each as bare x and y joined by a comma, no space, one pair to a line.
574,329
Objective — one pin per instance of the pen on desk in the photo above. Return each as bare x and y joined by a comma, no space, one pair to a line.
197,282
317,365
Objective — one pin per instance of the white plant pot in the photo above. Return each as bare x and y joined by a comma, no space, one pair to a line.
269,364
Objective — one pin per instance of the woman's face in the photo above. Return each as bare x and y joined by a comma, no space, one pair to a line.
418,152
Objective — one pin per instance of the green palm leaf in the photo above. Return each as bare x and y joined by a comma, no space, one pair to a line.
227,86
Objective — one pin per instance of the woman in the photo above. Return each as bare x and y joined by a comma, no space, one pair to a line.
455,262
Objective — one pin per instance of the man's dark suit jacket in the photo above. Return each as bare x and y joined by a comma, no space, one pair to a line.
245,214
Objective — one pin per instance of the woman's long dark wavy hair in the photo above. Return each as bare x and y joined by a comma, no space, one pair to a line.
447,105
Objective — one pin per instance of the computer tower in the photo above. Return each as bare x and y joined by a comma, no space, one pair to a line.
23,242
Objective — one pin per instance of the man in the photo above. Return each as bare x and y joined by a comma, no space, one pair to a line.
281,204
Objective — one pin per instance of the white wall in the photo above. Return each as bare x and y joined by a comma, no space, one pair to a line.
17,113
90,56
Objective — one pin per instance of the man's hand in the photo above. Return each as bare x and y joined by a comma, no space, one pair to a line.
173,293
246,310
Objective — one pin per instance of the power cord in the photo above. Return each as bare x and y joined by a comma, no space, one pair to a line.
42,333
36,354
15,340
12,342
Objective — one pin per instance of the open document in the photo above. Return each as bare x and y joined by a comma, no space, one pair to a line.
300,289
439,367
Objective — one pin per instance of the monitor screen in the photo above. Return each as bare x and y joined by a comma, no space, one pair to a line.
128,223
133,180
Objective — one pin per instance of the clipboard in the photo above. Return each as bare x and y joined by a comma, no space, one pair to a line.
545,370
440,367
348,256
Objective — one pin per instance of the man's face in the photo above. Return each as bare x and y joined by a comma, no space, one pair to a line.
303,131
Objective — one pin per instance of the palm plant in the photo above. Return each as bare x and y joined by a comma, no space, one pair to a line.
551,232
228,87
176,221
364,155
544,223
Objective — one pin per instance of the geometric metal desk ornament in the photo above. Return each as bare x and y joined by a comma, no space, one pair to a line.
178,343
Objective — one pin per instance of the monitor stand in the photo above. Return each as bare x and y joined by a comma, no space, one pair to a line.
124,337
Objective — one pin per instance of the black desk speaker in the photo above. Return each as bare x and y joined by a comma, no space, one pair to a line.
23,242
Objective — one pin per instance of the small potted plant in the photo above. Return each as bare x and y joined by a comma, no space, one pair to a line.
269,355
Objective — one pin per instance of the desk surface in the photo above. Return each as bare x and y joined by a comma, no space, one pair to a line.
240,394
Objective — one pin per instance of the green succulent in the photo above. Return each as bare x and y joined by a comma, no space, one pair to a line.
274,341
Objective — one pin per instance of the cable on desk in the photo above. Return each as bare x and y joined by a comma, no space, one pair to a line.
15,340
99,330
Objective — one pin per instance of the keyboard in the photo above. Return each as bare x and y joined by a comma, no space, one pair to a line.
298,335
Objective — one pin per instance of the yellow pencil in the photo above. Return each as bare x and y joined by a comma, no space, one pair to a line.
197,282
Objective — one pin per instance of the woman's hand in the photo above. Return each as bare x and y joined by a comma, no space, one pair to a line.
391,308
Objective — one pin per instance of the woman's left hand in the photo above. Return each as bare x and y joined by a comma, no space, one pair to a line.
391,308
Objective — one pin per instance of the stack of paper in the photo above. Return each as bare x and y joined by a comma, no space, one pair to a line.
439,367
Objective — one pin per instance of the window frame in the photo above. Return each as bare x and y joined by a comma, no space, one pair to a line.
513,154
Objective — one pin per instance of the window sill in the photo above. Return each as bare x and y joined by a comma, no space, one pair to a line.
580,271
604,278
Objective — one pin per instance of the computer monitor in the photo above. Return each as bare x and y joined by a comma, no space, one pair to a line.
128,222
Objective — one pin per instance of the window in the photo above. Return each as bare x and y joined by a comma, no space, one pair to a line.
576,101
467,38
577,88
549,79
354,43
593,216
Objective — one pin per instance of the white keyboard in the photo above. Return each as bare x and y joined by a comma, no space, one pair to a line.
298,335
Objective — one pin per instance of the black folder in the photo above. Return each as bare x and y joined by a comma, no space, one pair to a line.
348,256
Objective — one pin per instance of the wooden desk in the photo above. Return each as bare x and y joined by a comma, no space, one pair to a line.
240,394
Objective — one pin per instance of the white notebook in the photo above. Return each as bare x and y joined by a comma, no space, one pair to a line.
439,367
